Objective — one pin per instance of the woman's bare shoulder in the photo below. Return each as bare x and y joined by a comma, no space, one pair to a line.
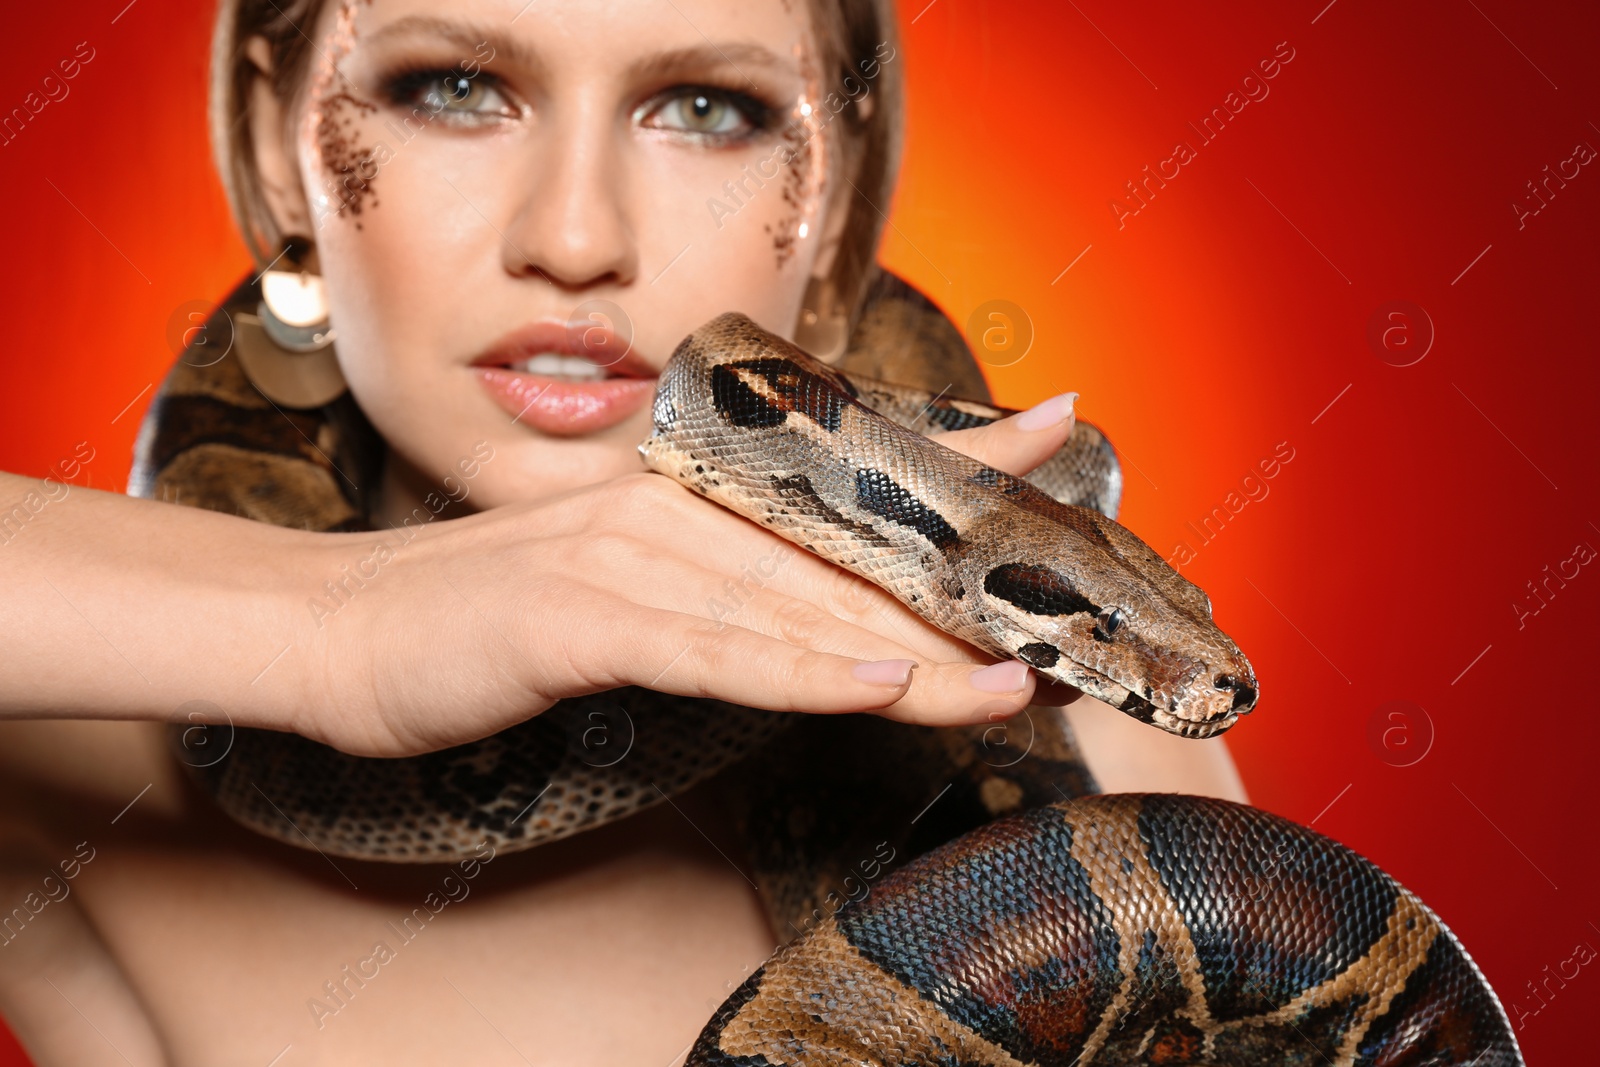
123,884
54,964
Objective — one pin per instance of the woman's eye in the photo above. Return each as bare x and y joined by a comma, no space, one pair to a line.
458,91
448,92
707,112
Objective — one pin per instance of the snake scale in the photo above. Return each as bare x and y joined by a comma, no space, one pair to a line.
955,897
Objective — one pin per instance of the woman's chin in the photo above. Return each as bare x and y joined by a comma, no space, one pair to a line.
539,468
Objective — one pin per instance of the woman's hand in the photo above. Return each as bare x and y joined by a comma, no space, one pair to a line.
128,609
482,622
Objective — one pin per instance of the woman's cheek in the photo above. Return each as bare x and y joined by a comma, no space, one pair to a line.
400,284
748,223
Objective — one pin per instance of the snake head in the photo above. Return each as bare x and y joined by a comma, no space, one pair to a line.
1087,603
755,424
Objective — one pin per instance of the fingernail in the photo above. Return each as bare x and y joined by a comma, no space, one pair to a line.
890,672
1005,677
1048,413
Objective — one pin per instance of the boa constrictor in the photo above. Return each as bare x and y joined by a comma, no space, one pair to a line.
1029,921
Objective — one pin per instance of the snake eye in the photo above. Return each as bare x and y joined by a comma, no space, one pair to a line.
1107,624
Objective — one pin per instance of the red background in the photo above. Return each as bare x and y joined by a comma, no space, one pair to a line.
1222,319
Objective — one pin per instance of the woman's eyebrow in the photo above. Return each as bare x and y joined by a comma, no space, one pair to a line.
747,59
463,33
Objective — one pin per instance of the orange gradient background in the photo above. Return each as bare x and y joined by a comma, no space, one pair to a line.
1222,319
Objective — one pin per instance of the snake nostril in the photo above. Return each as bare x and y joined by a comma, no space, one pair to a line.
1244,696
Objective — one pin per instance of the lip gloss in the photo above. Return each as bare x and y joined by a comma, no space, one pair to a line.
565,407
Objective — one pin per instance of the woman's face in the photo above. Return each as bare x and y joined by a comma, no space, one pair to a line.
507,195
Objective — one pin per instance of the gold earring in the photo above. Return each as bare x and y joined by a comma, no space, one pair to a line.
286,348
822,327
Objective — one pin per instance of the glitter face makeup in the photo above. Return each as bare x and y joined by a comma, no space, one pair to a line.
331,126
805,176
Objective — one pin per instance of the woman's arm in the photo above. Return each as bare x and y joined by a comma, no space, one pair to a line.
1127,756
118,608
390,644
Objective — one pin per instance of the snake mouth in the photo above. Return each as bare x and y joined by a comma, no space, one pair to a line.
1209,715
1199,730
1205,726
1244,692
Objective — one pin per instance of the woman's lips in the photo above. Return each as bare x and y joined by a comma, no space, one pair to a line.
566,406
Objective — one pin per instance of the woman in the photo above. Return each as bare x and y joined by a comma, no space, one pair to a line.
466,183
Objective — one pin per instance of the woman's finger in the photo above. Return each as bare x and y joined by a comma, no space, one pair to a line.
672,652
1018,443
784,592
635,550
832,612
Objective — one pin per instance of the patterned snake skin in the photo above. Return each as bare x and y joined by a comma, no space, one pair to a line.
953,896
760,427
1128,929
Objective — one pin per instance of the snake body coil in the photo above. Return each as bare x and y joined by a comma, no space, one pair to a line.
1121,930
1034,923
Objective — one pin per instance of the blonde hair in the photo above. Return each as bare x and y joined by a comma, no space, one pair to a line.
858,46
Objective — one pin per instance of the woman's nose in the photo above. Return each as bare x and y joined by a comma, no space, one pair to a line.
571,223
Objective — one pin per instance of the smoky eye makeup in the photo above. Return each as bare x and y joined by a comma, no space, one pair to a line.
431,70
461,95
